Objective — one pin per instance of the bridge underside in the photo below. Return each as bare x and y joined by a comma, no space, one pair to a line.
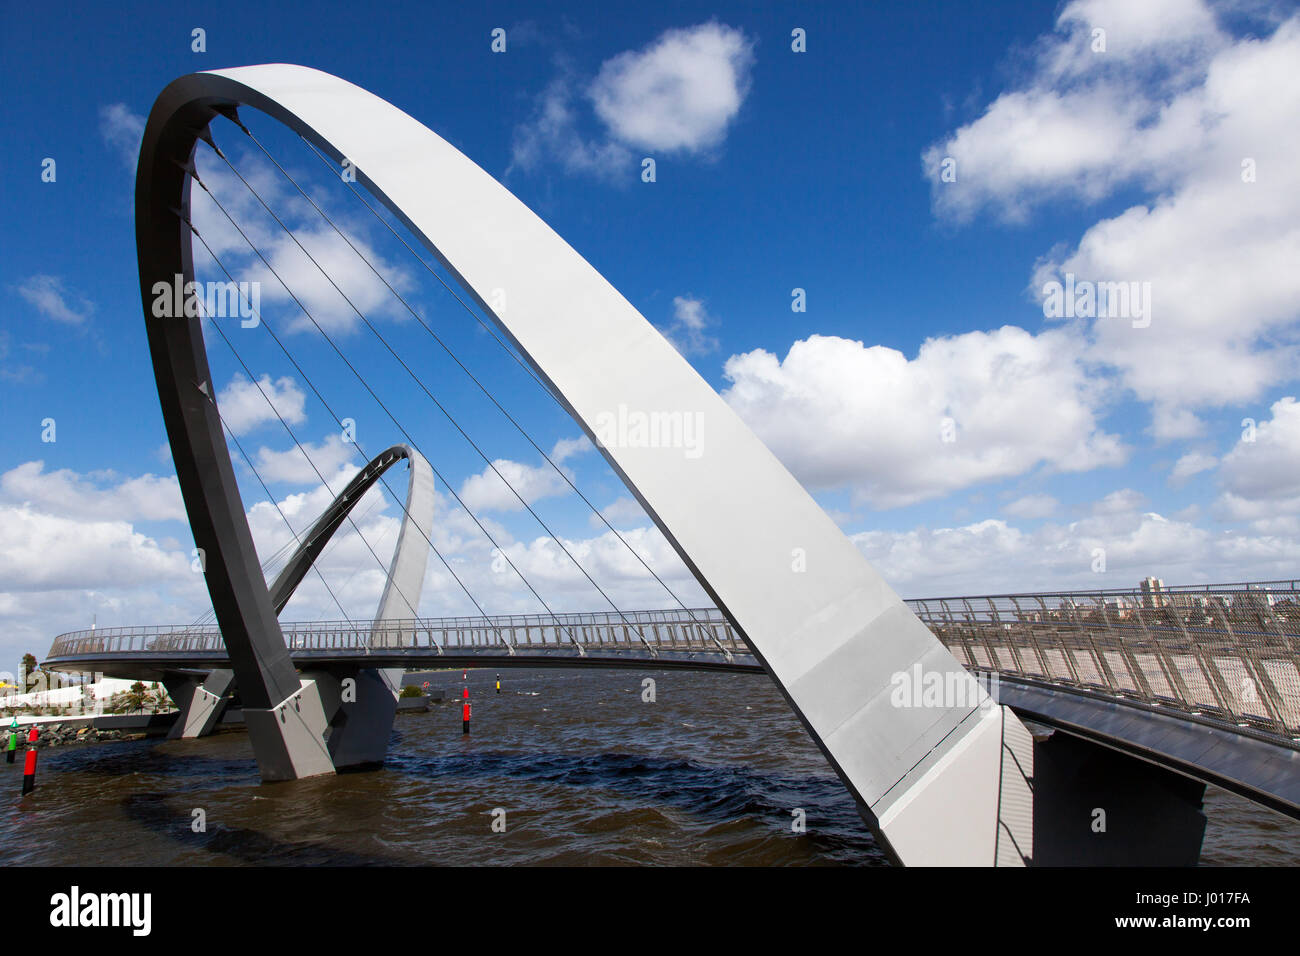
1261,769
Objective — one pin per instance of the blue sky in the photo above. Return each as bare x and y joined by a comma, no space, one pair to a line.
1165,157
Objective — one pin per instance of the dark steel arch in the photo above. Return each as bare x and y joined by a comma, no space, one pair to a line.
315,540
186,394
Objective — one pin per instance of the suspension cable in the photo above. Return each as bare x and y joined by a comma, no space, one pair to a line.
348,514
492,332
417,380
276,505
491,464
508,643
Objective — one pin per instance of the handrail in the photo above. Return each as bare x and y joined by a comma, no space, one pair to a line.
1227,652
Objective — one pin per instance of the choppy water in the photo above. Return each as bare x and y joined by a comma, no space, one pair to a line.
586,771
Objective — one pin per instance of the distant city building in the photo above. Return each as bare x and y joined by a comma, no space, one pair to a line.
1152,592
1253,601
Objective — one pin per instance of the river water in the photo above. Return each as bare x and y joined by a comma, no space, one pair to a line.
585,770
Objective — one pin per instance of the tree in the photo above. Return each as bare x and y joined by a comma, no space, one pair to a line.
129,701
29,671
139,698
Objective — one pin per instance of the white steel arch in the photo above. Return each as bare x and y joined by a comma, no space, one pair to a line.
941,782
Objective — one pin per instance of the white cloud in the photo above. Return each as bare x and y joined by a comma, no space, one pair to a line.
358,288
1182,111
622,512
1193,463
993,556
1031,507
679,94
687,331
1261,478
553,134
1175,424
42,552
344,264
69,551
245,405
50,297
77,496
1085,121
122,130
608,560
1016,401
487,491
566,448
1123,501
299,465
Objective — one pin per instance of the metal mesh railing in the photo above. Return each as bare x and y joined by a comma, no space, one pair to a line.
1230,652
704,629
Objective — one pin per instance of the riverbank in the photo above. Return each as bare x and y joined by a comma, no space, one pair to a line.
61,731
57,731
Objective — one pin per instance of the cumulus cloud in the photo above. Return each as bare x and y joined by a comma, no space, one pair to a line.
98,495
967,409
679,94
52,299
622,512
1207,126
334,305
346,265
994,556
245,404
567,448
299,465
1123,501
42,551
70,549
1086,120
553,134
490,489
1261,474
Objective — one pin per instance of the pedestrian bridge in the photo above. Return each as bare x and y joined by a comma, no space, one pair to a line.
940,770
1204,680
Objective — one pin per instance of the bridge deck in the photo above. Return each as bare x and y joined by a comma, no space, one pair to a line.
1215,661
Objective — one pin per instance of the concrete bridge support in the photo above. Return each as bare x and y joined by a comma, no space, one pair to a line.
358,703
361,702
201,700
1094,806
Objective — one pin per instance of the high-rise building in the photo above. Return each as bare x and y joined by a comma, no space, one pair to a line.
1253,601
1152,592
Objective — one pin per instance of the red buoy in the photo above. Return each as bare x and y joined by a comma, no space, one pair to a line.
464,712
29,765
